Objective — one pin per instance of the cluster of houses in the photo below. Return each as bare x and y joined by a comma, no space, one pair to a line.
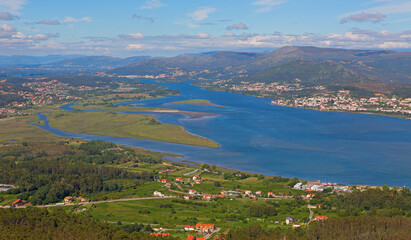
192,181
200,227
42,92
343,101
267,87
317,186
231,193
69,199
291,221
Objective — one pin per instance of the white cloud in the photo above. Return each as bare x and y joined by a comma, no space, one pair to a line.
406,36
201,13
12,6
152,4
72,19
352,37
267,5
14,42
50,45
138,35
395,45
203,35
135,46
6,30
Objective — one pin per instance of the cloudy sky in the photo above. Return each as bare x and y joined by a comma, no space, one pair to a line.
171,27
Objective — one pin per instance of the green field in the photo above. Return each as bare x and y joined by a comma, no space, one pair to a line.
110,107
175,213
125,125
16,128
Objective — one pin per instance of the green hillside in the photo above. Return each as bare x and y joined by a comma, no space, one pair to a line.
309,72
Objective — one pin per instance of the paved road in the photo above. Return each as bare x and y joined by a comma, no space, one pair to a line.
179,187
277,197
96,202
311,213
210,234
186,174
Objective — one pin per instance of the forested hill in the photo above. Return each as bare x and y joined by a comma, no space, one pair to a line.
389,66
92,63
309,72
217,61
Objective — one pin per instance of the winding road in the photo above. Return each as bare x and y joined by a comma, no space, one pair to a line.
94,202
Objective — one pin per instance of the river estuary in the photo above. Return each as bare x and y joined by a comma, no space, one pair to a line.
259,137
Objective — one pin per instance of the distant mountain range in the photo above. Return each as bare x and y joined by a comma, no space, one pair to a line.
217,61
20,60
307,64
349,65
92,63
388,66
68,62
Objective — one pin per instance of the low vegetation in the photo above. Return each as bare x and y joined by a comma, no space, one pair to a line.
125,125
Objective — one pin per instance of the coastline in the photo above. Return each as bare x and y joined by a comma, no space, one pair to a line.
308,108
346,111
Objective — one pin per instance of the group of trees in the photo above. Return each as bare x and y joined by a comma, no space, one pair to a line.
383,202
261,210
35,223
44,179
98,152
338,228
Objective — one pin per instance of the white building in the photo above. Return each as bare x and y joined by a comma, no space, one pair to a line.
158,194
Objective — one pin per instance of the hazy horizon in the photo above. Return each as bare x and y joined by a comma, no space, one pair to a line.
169,28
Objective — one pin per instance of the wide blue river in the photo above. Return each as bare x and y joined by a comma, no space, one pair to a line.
258,137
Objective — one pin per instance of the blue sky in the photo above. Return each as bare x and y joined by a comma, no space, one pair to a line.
171,27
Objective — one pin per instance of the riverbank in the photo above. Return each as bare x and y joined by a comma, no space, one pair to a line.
380,113
386,114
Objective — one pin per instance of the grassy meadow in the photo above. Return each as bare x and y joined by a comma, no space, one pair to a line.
125,125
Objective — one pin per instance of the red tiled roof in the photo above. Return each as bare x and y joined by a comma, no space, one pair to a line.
17,201
202,225
191,237
160,234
